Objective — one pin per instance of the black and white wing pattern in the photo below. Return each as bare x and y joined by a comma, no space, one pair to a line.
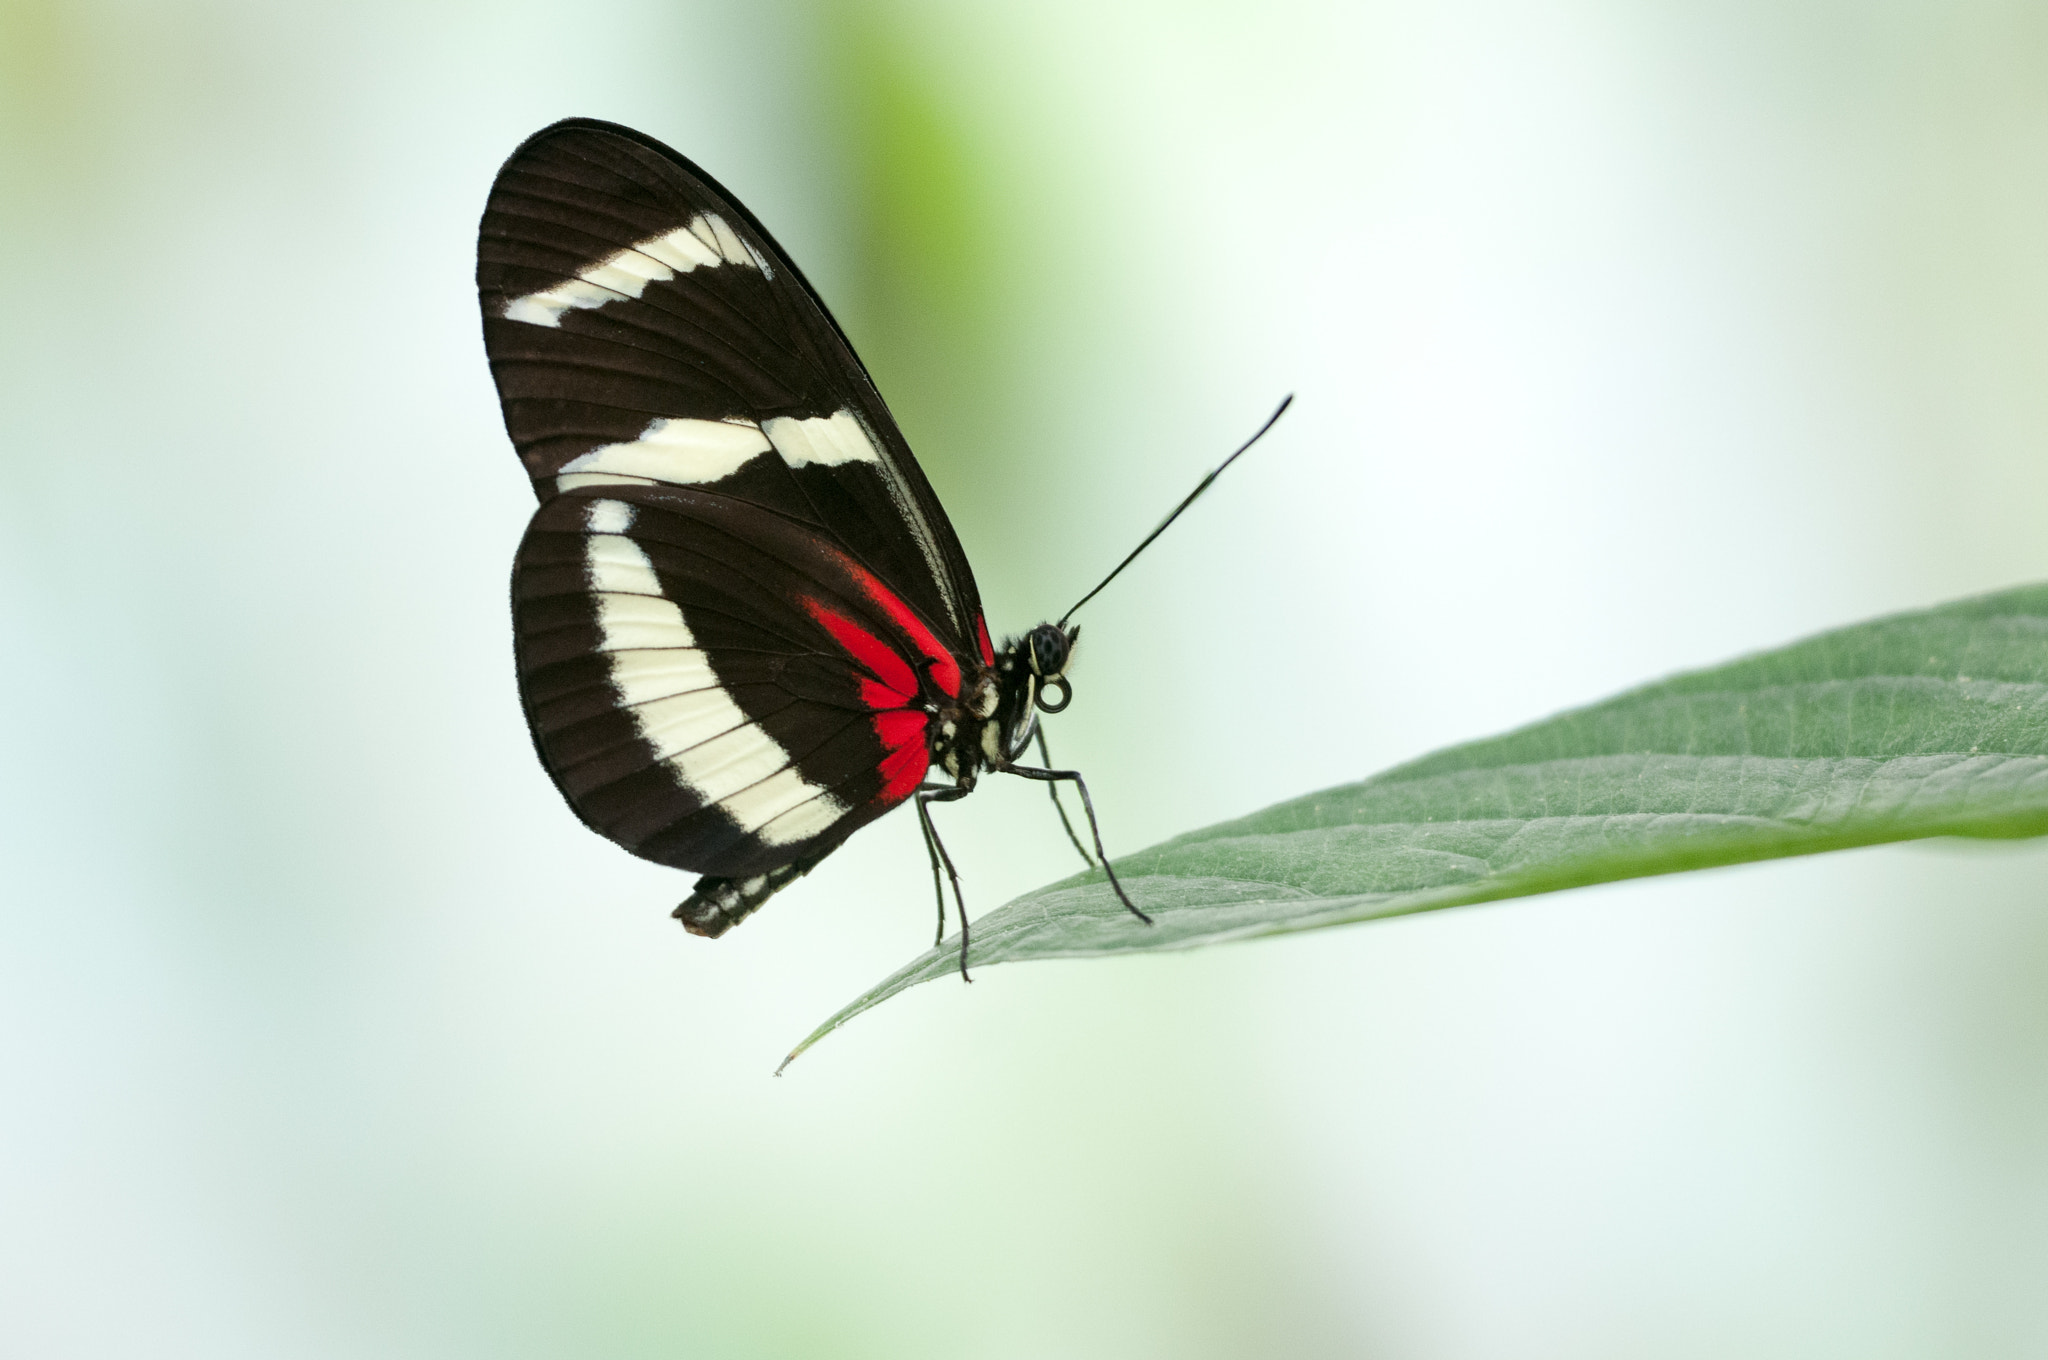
739,590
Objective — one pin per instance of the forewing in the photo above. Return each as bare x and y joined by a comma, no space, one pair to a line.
645,330
714,687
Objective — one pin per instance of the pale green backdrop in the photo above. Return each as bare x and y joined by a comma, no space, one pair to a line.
1628,336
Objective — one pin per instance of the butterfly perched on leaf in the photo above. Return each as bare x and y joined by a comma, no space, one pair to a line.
744,627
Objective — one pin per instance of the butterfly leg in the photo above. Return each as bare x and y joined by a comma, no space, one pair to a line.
1045,755
943,793
931,848
1094,829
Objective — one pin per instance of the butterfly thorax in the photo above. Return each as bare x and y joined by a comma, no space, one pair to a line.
957,730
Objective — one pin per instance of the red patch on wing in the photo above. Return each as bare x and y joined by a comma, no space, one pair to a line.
988,651
902,732
945,670
894,684
900,729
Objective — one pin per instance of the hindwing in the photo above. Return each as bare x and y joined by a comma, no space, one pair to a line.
714,688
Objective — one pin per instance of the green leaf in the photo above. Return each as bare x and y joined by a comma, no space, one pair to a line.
1928,724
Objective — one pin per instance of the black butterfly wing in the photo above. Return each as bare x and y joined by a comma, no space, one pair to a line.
738,583
643,328
711,686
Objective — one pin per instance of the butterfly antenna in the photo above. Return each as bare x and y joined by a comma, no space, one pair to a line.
1200,487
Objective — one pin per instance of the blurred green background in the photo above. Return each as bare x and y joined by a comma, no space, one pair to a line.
1629,335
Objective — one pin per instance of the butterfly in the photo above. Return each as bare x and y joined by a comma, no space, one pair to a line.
743,625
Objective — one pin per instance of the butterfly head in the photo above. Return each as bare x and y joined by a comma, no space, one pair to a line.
1030,678
1047,649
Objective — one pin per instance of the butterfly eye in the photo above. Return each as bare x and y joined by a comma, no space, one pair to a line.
1049,650
1066,695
